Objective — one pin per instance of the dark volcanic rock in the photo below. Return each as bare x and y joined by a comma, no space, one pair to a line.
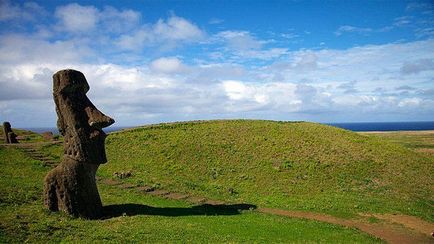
71,186
9,135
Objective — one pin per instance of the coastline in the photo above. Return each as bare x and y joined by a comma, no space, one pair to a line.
398,131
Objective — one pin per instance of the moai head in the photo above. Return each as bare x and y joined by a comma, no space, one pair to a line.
7,126
6,130
79,121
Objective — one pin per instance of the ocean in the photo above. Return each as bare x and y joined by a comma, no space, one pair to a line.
365,126
386,126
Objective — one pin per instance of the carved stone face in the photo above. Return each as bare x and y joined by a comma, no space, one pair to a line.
79,121
7,126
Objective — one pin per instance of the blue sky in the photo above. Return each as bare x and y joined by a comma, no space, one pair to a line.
158,61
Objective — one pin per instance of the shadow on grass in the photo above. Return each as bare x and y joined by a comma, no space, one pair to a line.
132,209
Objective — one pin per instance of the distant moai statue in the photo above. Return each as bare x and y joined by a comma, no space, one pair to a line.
10,136
71,186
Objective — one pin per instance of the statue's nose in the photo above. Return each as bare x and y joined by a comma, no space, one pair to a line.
97,118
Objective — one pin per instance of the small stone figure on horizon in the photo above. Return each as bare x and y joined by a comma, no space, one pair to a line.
48,136
71,186
10,136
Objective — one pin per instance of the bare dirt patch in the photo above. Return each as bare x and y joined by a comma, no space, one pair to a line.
411,222
389,232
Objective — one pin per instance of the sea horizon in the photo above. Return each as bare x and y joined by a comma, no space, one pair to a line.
352,126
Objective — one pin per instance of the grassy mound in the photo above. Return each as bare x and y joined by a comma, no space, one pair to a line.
292,165
140,218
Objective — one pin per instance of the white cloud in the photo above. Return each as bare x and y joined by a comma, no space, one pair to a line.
118,21
305,60
261,96
177,29
76,18
167,33
409,102
243,45
240,40
29,11
90,21
352,29
324,84
168,65
24,49
417,66
236,90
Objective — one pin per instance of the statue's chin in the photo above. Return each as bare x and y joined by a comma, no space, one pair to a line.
90,151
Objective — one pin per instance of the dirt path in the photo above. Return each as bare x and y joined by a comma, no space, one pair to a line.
387,230
391,228
411,222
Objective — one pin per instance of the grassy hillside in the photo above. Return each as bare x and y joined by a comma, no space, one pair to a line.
419,141
291,165
140,218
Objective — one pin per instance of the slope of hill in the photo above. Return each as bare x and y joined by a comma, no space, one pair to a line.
134,217
290,165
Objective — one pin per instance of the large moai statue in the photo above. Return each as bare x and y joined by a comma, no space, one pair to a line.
71,186
10,136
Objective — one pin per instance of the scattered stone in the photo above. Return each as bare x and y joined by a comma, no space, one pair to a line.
71,186
122,175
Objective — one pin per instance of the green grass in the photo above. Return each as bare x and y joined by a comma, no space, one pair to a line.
298,166
146,218
419,141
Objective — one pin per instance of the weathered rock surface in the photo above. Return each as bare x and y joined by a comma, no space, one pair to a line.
9,135
71,186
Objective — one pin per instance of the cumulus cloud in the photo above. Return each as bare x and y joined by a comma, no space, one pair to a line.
290,85
305,60
244,45
177,29
81,19
76,18
168,65
417,66
169,33
28,11
21,48
240,40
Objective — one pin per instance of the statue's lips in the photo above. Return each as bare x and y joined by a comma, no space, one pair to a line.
96,132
